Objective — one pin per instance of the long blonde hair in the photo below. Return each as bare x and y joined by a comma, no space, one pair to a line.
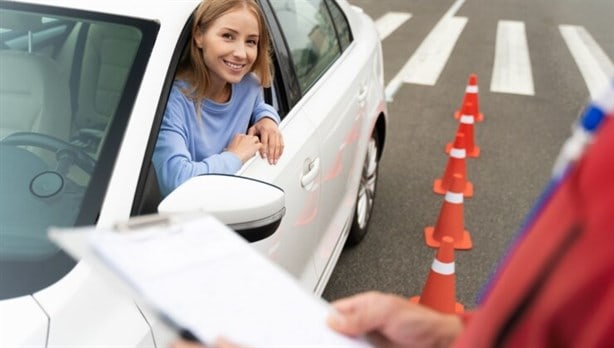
192,67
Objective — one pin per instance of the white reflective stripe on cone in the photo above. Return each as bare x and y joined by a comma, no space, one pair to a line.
466,119
444,268
471,89
458,153
454,198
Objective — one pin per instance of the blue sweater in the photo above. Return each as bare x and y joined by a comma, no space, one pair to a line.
188,147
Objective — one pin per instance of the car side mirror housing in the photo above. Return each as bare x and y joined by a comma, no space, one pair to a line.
252,208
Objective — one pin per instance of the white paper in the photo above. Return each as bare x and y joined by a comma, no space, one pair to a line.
205,278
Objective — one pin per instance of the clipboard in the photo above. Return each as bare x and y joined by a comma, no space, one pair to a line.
199,276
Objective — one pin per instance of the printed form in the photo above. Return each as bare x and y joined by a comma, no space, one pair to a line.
205,278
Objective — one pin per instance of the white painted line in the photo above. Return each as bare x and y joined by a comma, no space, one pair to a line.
390,22
512,68
452,10
427,63
595,66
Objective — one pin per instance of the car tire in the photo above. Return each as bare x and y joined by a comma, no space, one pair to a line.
365,199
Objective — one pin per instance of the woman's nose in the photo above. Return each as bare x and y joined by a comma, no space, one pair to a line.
240,50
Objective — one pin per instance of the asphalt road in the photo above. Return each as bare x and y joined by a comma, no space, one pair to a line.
519,139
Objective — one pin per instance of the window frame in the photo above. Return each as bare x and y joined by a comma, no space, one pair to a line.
280,39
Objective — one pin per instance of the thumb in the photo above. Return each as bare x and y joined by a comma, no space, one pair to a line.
359,314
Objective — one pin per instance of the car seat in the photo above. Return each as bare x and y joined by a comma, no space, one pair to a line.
35,96
108,56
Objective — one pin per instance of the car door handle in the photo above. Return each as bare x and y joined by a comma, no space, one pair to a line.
362,93
310,172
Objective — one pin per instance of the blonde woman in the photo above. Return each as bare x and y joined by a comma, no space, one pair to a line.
216,95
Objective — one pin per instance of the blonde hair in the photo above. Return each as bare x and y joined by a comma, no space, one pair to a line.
192,67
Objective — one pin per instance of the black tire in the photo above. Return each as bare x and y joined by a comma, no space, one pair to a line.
365,199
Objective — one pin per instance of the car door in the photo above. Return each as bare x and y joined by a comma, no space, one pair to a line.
334,88
298,171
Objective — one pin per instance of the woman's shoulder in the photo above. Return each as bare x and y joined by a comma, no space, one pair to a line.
249,85
179,92
179,104
251,81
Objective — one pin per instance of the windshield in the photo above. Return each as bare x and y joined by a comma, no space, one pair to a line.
68,82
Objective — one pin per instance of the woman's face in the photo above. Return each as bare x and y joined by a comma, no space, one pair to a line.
230,45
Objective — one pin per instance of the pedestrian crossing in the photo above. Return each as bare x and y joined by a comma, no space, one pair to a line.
512,70
390,22
595,66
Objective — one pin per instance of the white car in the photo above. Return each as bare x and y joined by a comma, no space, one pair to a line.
83,87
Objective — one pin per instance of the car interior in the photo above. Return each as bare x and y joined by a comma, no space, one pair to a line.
62,79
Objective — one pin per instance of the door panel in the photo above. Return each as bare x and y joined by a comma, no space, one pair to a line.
298,174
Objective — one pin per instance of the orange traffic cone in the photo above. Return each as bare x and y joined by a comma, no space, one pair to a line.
456,164
439,292
450,222
466,127
471,96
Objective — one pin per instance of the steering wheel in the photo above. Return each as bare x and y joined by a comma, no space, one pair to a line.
66,153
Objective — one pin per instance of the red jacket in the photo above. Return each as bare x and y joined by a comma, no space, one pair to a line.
557,288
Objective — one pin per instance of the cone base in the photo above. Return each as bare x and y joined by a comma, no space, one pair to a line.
439,189
463,244
458,307
475,152
477,118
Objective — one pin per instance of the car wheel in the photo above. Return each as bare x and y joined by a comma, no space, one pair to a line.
366,193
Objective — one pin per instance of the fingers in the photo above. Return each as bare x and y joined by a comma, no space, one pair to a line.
360,314
270,137
244,146
272,147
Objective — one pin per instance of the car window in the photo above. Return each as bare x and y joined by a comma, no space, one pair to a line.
67,83
310,36
341,24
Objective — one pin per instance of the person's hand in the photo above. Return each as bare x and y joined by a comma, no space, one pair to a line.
219,343
270,137
395,321
244,146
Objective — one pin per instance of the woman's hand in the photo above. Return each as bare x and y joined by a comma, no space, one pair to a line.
270,137
244,146
394,320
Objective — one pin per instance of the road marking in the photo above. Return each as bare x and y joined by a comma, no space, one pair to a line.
390,22
595,66
426,64
512,67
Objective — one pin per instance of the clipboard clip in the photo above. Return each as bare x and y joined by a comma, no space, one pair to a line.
139,223
142,222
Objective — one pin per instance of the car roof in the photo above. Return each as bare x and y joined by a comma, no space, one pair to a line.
166,12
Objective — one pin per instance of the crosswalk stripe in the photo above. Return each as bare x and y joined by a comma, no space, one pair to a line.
595,66
512,67
390,22
426,64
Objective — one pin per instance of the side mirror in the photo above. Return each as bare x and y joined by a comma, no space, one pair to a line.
252,208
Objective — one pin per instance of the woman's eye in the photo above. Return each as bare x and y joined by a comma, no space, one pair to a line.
227,36
252,42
